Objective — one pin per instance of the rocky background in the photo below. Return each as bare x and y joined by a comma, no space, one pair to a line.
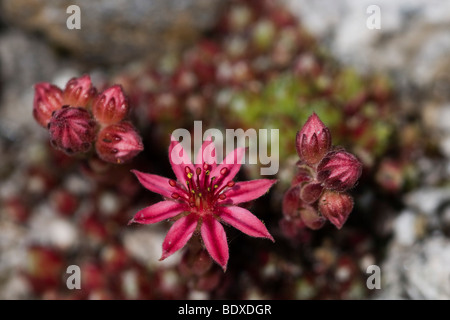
233,64
412,47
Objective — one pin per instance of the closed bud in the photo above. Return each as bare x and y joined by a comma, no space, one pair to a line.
311,218
118,143
110,106
291,202
72,130
313,141
339,170
303,175
47,98
79,92
311,192
202,263
336,207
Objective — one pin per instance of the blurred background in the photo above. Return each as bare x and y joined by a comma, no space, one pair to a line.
384,93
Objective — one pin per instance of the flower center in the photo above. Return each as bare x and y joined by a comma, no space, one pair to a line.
202,191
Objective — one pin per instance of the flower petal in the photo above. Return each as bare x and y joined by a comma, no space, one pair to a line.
155,183
247,190
232,163
215,240
178,235
207,153
158,212
244,220
179,160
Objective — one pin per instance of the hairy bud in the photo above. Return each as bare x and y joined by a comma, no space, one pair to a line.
47,98
339,170
79,92
110,106
311,192
311,218
291,202
336,207
118,143
72,130
313,141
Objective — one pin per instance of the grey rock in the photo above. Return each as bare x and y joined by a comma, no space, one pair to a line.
413,38
115,31
427,200
412,46
420,271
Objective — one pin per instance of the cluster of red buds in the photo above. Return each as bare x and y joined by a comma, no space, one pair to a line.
324,173
78,118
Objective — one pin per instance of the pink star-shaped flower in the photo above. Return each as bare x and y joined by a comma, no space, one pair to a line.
203,196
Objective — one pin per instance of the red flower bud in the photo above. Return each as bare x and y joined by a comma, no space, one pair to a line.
47,98
202,263
291,202
336,207
118,143
78,92
110,106
72,130
313,140
311,218
302,175
311,192
198,263
339,170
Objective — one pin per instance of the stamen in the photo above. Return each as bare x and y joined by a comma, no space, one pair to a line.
198,171
175,195
188,186
206,175
188,172
222,196
229,185
212,183
172,183
224,171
